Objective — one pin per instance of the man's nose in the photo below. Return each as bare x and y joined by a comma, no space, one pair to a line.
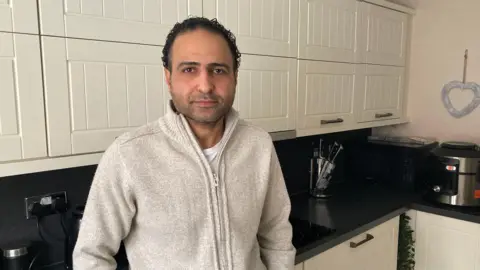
205,81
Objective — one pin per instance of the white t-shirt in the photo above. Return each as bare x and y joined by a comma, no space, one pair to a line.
211,153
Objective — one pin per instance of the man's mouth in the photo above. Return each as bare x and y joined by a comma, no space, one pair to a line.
205,103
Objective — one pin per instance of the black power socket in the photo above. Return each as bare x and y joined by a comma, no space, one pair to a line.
45,205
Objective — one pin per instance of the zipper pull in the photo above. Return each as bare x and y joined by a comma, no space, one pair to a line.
216,179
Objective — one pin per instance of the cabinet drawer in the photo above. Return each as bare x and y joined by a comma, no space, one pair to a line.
356,253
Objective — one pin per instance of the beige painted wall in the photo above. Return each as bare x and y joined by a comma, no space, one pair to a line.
441,31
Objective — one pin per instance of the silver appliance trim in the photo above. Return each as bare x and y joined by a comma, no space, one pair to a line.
14,253
467,165
283,135
465,195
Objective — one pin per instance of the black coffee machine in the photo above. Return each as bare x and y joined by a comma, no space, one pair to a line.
72,227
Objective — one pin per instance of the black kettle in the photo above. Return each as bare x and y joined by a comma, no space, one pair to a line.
72,227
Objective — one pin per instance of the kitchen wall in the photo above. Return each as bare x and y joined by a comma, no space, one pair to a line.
442,30
294,157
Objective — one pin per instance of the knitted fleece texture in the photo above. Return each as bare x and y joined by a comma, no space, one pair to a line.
155,191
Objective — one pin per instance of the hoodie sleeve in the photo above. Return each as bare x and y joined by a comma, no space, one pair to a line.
107,217
275,231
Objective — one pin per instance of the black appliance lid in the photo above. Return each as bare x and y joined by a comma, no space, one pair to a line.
460,145
457,149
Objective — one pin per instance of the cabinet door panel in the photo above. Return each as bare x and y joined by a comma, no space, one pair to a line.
325,94
143,22
266,27
266,92
22,123
382,35
376,253
327,30
381,93
97,90
380,253
444,243
19,16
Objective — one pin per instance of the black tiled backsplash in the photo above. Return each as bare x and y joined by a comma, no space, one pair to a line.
294,157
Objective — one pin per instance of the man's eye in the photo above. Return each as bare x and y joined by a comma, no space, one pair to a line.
218,71
188,70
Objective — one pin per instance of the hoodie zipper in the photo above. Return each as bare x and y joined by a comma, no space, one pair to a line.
220,222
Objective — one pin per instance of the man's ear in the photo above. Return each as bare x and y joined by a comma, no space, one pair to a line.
168,78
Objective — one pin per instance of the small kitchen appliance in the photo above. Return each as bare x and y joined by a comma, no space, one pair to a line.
16,258
455,174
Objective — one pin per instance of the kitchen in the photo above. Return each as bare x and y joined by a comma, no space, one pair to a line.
335,86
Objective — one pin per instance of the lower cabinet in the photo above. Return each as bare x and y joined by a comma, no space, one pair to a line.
375,249
444,243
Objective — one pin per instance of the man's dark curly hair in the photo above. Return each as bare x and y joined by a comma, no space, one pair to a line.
194,23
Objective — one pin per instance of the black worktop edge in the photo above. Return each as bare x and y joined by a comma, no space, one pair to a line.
329,242
324,244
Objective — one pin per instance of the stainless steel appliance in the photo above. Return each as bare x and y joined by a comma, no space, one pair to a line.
455,175
16,258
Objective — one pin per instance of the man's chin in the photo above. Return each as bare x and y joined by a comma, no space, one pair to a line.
207,120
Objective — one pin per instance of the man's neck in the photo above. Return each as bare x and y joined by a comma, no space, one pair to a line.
208,135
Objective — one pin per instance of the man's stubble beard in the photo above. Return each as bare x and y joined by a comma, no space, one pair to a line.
220,111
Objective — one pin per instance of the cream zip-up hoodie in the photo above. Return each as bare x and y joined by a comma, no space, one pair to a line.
155,190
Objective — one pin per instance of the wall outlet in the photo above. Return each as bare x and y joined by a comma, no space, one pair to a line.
47,204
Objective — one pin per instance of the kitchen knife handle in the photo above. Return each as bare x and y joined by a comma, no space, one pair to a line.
381,115
338,120
368,238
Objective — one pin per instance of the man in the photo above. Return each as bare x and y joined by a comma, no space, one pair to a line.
197,189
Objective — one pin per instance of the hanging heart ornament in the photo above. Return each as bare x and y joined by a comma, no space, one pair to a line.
463,86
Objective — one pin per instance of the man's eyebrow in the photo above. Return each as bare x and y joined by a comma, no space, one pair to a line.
187,63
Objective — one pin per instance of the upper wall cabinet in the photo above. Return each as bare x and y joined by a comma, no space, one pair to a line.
19,16
325,94
267,27
382,35
380,92
22,123
327,30
144,22
266,92
97,90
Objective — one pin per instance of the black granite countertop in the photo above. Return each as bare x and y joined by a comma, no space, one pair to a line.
358,210
349,213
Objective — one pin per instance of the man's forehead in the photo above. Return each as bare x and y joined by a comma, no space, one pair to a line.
201,46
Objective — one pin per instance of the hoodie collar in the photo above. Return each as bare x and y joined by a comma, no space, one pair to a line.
182,127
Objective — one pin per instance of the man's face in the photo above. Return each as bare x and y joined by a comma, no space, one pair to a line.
202,80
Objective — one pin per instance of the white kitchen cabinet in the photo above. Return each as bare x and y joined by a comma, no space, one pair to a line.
382,35
325,95
380,91
22,122
376,249
133,21
97,90
19,16
268,27
327,30
444,243
266,92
